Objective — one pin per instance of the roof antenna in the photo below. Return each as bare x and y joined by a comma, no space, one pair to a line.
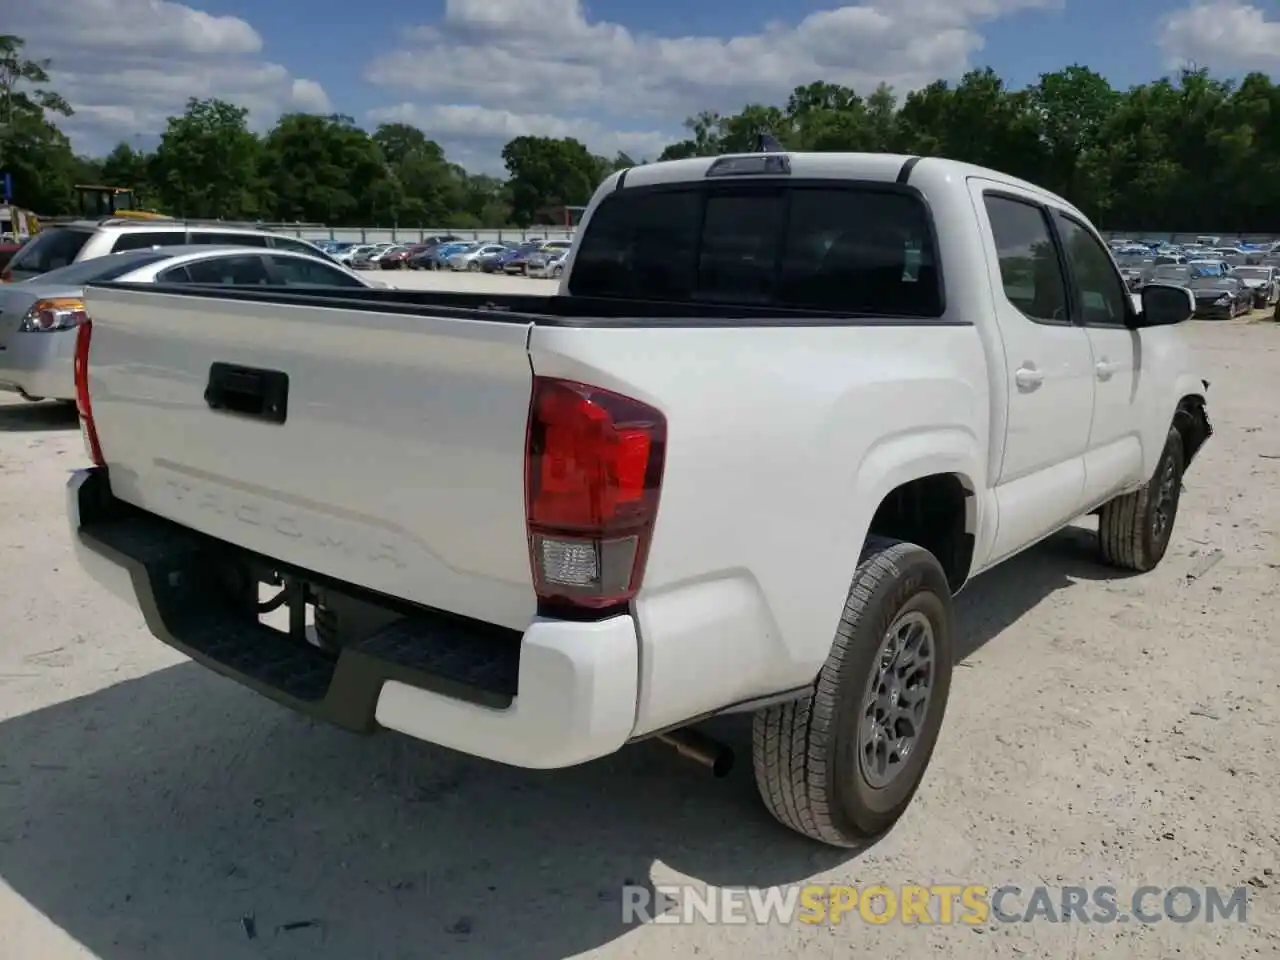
766,142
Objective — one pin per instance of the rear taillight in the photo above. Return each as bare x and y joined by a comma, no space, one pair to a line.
87,429
593,470
59,313
6,275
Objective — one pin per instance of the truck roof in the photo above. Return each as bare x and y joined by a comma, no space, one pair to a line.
883,167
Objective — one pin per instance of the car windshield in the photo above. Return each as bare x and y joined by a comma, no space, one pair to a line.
1252,273
103,269
1206,269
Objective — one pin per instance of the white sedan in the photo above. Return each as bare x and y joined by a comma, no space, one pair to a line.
38,317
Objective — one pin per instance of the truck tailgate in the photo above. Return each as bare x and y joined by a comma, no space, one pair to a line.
398,467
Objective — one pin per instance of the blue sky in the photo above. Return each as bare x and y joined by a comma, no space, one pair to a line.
618,74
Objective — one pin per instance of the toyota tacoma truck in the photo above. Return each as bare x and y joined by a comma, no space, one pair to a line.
781,409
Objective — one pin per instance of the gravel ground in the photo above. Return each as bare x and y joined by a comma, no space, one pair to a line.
1103,730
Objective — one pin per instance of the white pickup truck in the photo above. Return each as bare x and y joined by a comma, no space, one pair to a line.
782,408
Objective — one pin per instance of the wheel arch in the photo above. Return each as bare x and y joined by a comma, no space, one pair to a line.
922,488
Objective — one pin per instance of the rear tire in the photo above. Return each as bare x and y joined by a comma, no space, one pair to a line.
816,758
1134,529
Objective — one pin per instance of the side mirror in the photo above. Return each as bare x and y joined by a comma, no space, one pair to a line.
1164,304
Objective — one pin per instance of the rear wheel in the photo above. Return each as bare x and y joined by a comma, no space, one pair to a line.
842,764
1134,529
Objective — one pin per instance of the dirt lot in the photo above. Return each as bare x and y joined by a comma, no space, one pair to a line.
1103,730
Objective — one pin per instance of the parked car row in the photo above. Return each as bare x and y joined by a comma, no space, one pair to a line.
1220,292
1227,278
542,257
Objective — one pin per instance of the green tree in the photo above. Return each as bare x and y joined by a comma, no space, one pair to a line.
207,162
33,150
546,172
322,170
431,188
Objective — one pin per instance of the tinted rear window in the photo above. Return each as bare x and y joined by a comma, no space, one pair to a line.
50,249
297,246
229,239
850,250
103,269
144,240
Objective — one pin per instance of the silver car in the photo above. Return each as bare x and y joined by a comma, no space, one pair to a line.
39,317
1263,284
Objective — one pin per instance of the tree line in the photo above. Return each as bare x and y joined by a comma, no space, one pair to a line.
1190,152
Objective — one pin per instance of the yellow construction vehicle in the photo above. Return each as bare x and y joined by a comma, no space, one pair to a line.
96,201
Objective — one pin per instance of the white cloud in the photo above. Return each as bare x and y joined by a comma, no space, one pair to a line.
474,135
1220,34
127,65
549,53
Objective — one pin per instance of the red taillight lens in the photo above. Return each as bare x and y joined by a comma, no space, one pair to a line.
83,332
6,275
593,469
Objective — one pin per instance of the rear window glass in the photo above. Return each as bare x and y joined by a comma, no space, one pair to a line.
229,239
835,249
49,249
103,269
297,246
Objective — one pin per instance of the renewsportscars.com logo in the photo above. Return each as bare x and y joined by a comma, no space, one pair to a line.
939,904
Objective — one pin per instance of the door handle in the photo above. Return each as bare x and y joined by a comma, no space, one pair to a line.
1105,369
1028,378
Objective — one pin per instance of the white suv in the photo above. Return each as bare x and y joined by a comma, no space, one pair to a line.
67,243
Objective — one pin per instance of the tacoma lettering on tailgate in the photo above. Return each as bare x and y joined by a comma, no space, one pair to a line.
301,525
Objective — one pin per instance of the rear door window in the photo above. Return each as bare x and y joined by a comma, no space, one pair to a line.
49,249
243,271
858,250
145,240
228,239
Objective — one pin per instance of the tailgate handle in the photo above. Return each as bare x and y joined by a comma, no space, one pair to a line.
248,392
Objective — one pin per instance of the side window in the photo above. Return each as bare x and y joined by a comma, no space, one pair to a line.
310,272
1029,267
1103,300
228,239
144,241
242,271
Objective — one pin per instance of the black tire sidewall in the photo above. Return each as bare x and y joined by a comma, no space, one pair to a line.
920,585
1154,547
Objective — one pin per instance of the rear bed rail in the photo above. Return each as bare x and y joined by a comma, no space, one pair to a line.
183,583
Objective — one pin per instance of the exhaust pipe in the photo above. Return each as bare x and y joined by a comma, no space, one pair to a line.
698,747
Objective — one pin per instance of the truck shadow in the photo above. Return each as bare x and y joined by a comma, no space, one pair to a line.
30,417
154,816
993,601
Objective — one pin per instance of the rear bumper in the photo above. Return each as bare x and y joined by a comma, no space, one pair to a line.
40,364
558,695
